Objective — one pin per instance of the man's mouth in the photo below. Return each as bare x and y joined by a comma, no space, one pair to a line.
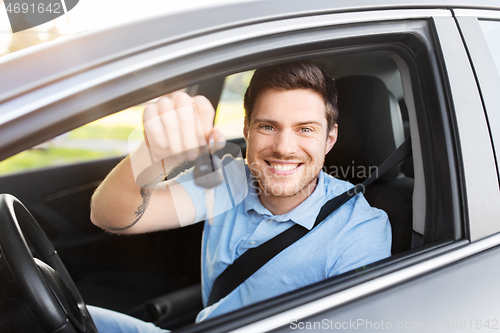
283,167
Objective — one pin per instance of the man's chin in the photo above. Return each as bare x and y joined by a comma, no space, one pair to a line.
289,190
280,191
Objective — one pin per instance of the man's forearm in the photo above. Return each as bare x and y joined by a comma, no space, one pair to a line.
122,198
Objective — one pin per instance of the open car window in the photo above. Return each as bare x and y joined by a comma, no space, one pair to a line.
230,113
104,138
407,193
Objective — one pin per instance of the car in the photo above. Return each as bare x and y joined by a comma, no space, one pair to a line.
429,71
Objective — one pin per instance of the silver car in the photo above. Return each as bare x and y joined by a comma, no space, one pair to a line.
403,69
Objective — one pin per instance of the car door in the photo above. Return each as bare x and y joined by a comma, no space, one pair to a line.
462,294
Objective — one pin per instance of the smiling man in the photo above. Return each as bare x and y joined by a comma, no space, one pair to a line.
289,128
290,125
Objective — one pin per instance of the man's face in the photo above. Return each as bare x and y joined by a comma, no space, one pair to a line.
287,141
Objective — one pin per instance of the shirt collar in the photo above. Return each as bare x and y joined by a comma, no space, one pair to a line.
304,214
252,200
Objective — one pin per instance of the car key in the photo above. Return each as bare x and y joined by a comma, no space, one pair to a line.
208,174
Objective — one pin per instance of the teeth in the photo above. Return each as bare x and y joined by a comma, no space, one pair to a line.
283,167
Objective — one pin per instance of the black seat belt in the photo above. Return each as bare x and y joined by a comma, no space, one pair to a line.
253,259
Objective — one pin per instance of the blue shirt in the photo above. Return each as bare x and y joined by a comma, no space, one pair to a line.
353,236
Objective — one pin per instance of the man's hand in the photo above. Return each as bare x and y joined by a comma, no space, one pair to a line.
178,127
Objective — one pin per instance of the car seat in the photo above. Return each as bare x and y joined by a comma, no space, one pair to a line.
370,129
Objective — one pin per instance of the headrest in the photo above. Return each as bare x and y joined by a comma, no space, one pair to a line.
370,129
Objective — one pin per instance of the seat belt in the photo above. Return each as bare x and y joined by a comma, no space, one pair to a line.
253,259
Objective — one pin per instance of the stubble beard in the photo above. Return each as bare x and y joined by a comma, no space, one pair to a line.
305,183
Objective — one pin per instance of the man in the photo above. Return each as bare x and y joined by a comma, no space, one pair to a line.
290,125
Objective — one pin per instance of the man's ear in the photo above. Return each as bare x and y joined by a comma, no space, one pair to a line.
332,138
245,130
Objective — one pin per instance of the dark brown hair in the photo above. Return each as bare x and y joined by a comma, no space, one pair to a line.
295,75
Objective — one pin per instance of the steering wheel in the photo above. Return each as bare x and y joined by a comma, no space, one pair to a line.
45,283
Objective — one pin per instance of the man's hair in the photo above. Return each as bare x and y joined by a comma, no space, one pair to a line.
294,75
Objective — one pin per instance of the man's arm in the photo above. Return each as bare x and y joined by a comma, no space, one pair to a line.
133,198
366,239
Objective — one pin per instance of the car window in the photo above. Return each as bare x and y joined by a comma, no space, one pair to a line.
103,138
491,30
230,112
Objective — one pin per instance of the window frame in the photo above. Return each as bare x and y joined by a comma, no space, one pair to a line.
348,282
481,166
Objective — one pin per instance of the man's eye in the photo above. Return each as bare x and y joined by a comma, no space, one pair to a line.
306,130
267,127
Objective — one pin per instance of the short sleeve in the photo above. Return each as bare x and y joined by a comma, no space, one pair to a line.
196,193
229,193
365,239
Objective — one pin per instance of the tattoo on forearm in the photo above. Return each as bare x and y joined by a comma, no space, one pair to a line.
146,193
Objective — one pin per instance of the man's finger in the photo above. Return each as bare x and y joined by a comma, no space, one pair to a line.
190,130
172,132
173,93
206,114
153,129
219,140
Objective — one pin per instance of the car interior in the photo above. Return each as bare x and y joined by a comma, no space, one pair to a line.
156,277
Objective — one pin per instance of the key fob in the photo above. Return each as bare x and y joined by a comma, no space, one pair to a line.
208,171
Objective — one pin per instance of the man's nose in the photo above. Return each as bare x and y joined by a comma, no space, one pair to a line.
285,143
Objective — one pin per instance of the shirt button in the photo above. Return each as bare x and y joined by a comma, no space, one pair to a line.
252,243
269,221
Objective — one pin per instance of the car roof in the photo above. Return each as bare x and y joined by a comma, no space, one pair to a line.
26,69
